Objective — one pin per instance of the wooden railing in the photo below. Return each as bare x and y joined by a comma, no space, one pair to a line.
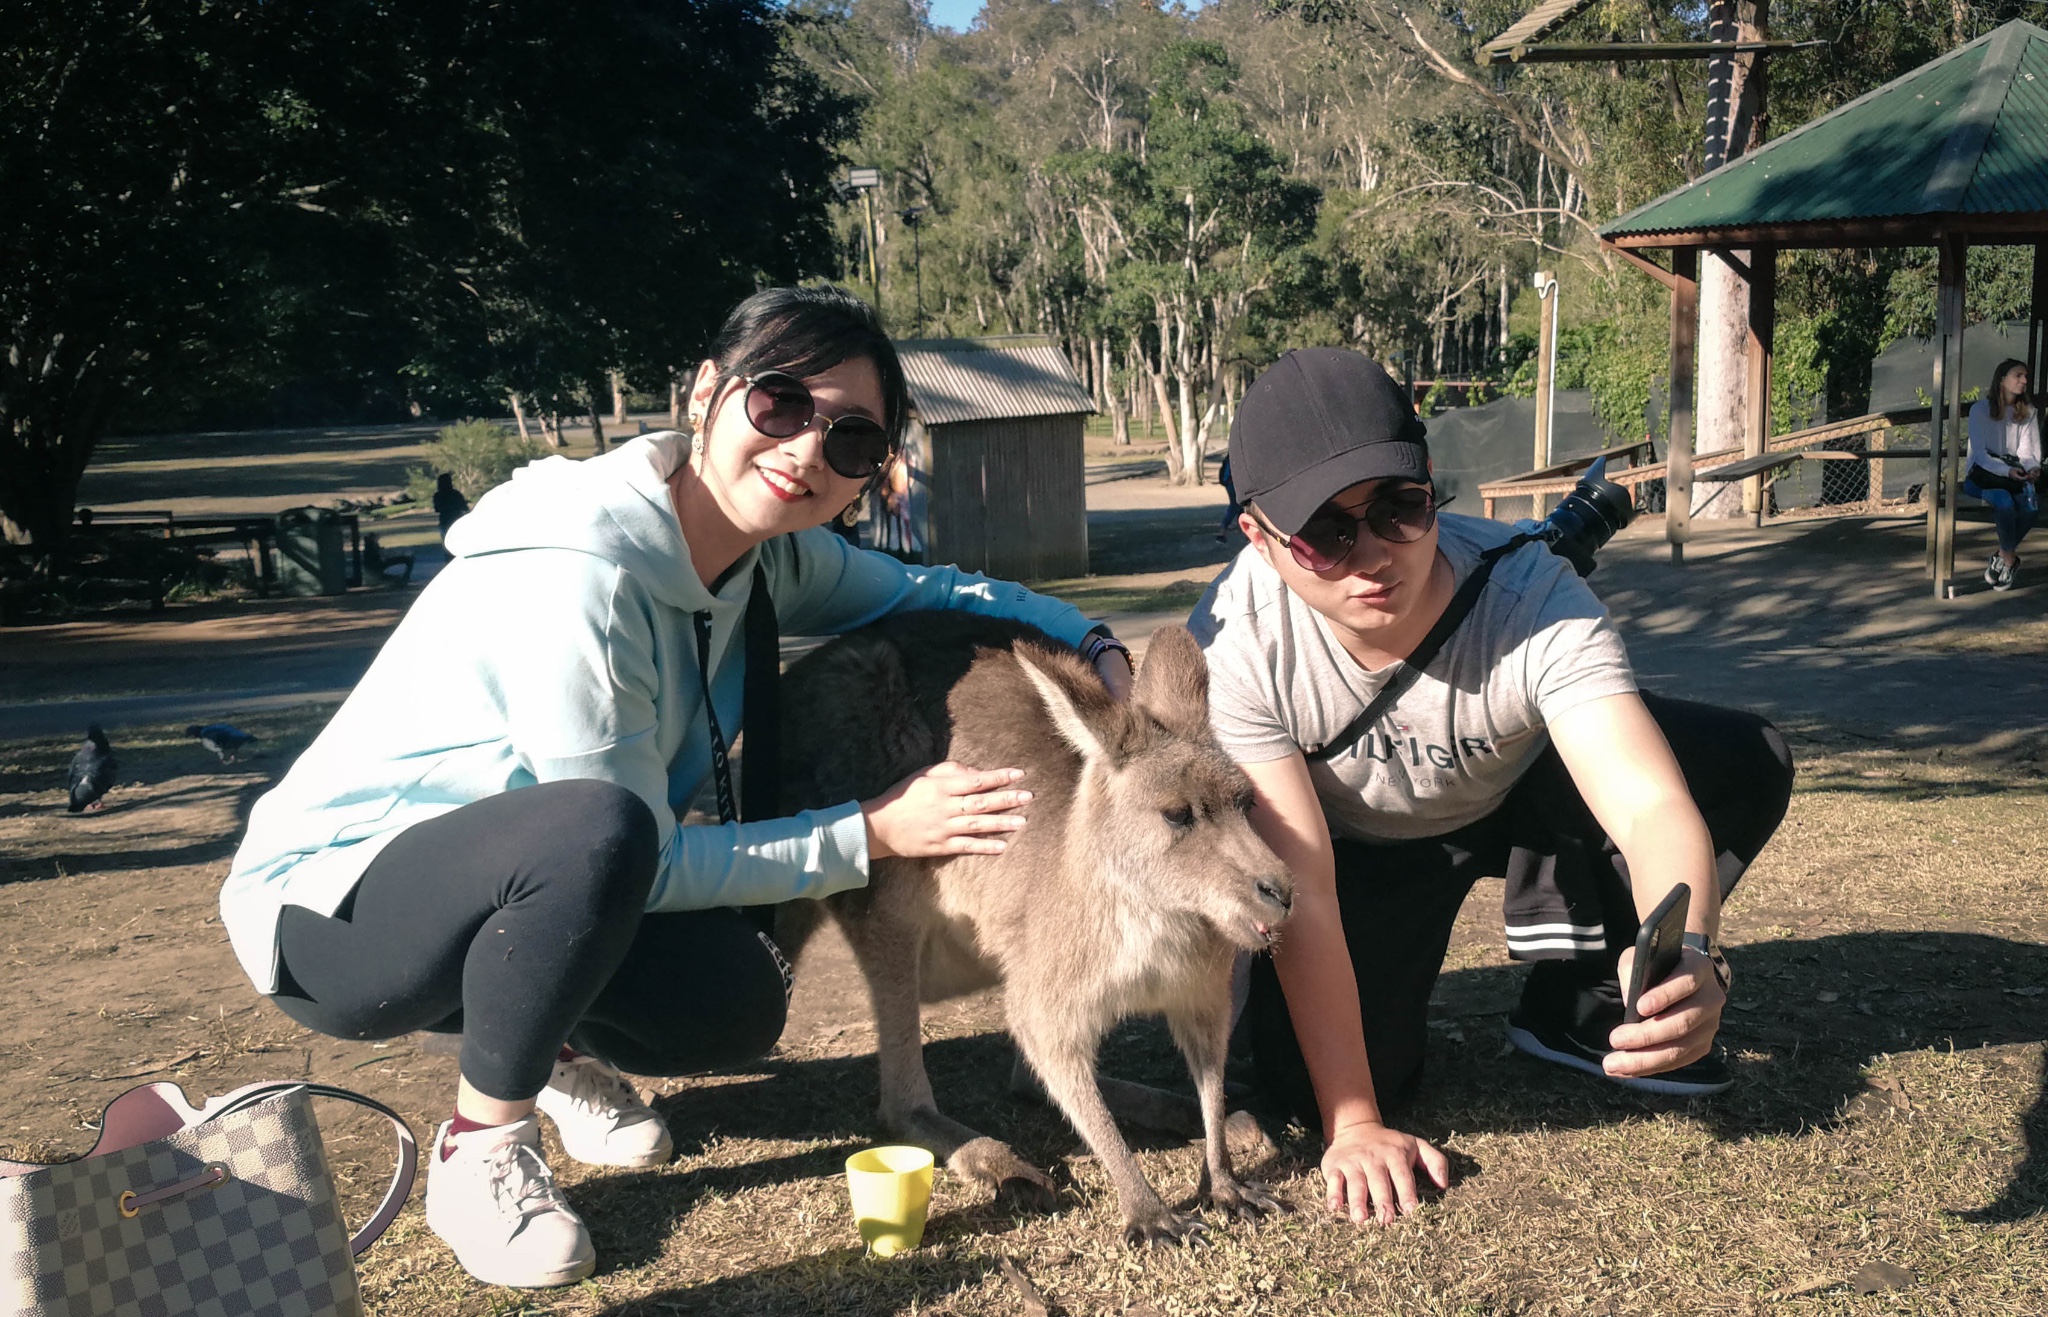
1559,479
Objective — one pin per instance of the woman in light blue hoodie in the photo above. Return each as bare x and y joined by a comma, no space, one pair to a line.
484,841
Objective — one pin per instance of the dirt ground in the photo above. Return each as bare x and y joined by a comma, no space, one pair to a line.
1888,1025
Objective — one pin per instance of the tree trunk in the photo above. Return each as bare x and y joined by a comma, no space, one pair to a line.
675,403
48,430
1165,406
618,398
519,415
1735,91
596,421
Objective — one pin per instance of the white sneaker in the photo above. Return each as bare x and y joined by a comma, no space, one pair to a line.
601,1118
495,1203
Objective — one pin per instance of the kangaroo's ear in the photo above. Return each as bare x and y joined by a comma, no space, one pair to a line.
1173,683
1078,715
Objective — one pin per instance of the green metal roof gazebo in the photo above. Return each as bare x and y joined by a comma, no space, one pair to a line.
1953,153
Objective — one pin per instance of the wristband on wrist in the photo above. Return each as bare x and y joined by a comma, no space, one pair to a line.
1701,943
1096,643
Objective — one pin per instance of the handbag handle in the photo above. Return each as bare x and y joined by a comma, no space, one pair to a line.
408,1148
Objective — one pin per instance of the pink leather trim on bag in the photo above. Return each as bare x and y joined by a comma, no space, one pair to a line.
143,1113
153,1111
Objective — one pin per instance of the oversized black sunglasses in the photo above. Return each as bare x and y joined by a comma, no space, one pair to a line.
781,407
1327,538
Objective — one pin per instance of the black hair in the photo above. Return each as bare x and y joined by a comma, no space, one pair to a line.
805,331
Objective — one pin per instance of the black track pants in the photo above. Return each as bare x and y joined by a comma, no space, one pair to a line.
517,921
1567,906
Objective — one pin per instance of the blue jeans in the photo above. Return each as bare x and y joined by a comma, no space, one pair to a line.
2014,515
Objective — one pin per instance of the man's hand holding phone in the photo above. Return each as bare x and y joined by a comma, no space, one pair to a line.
1681,1015
1674,1001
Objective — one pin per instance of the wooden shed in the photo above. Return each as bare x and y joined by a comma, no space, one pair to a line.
992,474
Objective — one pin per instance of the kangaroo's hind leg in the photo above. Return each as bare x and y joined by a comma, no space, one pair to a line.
887,942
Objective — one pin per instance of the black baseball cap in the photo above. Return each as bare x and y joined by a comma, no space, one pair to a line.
1319,421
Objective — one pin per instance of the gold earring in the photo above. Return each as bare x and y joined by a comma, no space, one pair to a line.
697,444
852,513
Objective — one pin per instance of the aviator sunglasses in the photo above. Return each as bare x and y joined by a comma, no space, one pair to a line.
781,407
1327,538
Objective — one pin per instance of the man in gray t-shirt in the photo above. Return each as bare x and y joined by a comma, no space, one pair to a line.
1522,749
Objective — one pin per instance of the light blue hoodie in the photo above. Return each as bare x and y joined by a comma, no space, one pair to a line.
559,644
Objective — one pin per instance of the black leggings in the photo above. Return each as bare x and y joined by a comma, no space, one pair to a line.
517,921
1398,902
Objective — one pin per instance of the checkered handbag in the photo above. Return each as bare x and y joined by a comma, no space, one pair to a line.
225,1210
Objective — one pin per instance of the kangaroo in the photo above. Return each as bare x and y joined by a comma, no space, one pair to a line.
1130,890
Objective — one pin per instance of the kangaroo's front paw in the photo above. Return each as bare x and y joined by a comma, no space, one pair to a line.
1016,1182
1164,1227
1247,1200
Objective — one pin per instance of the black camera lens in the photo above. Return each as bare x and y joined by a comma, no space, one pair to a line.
1588,518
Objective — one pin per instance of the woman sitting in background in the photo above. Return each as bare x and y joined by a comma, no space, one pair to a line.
2005,466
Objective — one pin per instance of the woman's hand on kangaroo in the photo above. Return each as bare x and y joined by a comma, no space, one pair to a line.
1370,1172
947,809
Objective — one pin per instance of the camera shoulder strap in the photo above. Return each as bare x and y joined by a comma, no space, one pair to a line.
1419,659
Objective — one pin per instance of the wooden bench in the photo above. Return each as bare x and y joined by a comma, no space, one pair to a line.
255,529
1750,466
1786,451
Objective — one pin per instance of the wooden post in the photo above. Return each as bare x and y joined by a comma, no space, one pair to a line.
1685,319
1763,324
1546,383
1948,432
2036,312
867,197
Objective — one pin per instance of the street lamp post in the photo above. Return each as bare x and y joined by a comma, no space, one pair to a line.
913,218
864,179
1546,367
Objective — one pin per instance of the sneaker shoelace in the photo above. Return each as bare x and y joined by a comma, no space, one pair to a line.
520,1180
595,1087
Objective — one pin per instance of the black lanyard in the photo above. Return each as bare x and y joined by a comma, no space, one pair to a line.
760,714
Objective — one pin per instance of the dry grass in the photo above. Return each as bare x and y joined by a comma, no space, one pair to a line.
1890,1109
2013,638
1157,592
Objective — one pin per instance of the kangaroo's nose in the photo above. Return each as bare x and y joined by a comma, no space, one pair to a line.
1276,893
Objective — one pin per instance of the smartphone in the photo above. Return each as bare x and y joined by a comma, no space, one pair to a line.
1658,945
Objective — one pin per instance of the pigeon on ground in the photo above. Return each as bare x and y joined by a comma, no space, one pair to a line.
224,739
92,771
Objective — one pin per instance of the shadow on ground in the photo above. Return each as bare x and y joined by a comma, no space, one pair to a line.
1157,540
1802,1066
841,1280
1821,1011
1833,618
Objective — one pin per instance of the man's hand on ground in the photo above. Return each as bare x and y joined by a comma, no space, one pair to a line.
1681,1015
1370,1172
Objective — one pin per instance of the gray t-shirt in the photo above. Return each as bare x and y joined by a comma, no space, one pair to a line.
1537,643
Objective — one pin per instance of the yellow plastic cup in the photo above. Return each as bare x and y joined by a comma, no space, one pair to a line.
891,1190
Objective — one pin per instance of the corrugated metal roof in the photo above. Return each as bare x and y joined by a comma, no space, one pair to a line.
2011,176
1535,25
986,379
1965,132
